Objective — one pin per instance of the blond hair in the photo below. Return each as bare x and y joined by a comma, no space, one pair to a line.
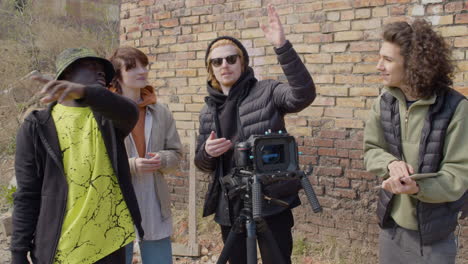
223,42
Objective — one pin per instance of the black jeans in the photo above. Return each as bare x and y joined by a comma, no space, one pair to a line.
280,225
116,257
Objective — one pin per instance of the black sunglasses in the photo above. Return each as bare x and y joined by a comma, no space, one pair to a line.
231,59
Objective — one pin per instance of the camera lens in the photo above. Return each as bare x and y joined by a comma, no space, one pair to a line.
271,154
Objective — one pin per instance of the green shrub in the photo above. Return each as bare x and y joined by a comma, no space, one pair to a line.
6,193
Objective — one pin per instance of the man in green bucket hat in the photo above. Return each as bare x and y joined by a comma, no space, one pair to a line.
75,202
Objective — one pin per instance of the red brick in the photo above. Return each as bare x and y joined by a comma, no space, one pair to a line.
344,163
318,142
307,150
461,18
339,134
342,182
357,164
172,22
308,160
398,10
453,6
326,152
348,144
346,193
359,174
355,154
343,153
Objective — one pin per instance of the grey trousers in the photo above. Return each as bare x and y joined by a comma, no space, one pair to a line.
401,246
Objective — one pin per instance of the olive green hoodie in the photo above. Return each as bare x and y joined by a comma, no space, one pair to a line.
448,184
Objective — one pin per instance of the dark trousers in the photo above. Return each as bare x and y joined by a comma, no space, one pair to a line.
116,257
280,225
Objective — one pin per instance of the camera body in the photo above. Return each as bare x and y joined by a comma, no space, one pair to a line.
271,157
271,161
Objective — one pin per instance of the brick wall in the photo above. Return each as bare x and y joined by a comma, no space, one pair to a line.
339,42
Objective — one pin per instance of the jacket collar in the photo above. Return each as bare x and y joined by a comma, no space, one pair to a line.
398,94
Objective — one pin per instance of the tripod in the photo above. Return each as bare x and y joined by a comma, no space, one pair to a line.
250,220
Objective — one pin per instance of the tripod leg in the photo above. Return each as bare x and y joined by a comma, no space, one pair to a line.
251,242
235,234
268,247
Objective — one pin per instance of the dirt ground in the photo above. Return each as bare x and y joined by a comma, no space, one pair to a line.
209,235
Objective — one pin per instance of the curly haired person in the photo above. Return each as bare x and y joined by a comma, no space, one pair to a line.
415,139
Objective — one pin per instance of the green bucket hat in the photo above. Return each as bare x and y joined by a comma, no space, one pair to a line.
70,56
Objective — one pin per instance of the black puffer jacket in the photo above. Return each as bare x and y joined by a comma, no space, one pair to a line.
262,105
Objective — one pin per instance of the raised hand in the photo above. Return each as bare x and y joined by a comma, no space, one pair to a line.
58,90
216,147
274,32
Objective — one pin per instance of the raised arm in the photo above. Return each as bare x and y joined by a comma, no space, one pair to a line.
299,92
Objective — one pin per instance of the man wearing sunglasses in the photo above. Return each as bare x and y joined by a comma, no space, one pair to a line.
238,106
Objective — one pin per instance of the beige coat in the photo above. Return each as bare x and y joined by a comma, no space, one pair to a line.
161,137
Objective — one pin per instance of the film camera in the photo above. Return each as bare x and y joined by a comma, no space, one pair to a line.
262,161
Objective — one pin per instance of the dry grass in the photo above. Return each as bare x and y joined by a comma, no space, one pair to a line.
31,40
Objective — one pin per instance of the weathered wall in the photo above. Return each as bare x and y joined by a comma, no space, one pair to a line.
339,42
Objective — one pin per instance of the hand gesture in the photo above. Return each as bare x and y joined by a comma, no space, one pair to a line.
144,165
59,90
400,169
404,185
400,180
274,32
216,147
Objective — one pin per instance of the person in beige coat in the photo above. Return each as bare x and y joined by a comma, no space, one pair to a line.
154,149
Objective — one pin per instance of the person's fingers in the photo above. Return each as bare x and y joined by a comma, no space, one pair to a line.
39,78
221,149
48,87
149,161
217,141
63,91
226,146
410,168
154,156
221,145
404,170
53,93
275,14
212,135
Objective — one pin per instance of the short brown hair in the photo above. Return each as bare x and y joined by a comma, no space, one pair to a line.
125,58
428,68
